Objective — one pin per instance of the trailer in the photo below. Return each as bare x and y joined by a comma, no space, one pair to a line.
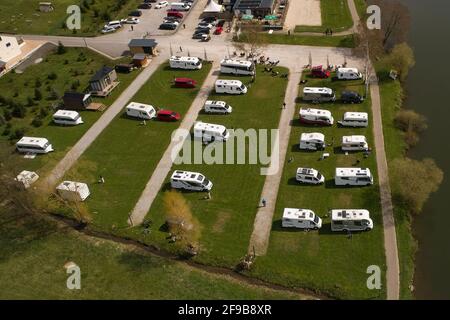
354,119
67,117
354,143
215,106
192,181
230,87
353,177
350,220
348,74
73,191
27,178
312,141
309,176
316,116
34,145
318,95
237,67
187,63
301,219
140,111
208,132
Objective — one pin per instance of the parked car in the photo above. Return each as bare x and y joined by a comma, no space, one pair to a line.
184,83
320,72
131,20
168,26
172,13
145,6
218,30
113,24
206,37
107,29
135,13
204,26
202,31
167,115
171,19
162,4
209,19
124,67
197,35
351,97
176,22
148,1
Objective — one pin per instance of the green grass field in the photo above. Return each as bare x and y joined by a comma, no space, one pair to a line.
126,152
325,261
319,41
24,17
77,64
335,15
34,253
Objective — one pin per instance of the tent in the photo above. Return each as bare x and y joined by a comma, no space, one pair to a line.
213,7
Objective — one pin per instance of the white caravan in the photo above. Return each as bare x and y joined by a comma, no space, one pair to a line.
208,132
140,111
300,218
348,74
317,95
67,117
351,220
34,145
354,143
230,86
309,176
179,6
312,141
353,177
237,67
189,63
73,191
316,116
27,178
354,119
222,107
192,181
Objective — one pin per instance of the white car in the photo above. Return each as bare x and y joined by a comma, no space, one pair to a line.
113,24
131,20
171,21
204,26
107,29
161,4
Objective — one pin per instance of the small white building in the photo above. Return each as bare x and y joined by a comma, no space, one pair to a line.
10,48
73,191
140,111
354,143
312,141
300,218
27,178
354,119
67,117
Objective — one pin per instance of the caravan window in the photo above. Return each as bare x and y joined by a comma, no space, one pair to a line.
242,87
205,182
338,223
316,219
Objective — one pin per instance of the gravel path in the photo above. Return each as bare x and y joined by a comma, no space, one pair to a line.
303,13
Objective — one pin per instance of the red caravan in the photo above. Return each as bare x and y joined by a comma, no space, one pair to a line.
316,116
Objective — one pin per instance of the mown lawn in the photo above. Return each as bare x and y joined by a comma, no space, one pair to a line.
227,219
319,41
127,152
335,15
24,17
328,262
34,252
58,73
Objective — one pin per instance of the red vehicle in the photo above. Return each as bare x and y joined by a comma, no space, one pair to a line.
172,13
218,30
167,115
185,83
320,72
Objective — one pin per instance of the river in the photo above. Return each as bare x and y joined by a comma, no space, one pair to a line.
427,88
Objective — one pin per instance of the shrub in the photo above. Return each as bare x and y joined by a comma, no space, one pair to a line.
61,48
7,114
36,122
52,76
412,124
75,85
37,94
18,134
19,111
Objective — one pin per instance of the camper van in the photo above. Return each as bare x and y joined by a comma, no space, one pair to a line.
354,143
217,107
312,141
318,95
208,132
348,74
179,6
316,116
67,117
34,145
73,191
230,87
140,111
300,218
309,176
354,119
237,67
189,63
350,220
353,177
192,181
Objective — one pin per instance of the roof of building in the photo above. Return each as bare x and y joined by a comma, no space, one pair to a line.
100,74
252,4
142,43
140,56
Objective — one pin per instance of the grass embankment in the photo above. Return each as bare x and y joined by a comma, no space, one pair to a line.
56,74
335,15
127,152
227,219
23,17
325,261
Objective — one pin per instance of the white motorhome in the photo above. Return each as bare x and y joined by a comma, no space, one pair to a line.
312,141
351,220
230,86
353,177
179,6
354,143
67,117
73,191
213,106
300,218
237,67
192,181
316,116
348,74
189,63
355,119
34,145
317,95
208,132
309,175
140,111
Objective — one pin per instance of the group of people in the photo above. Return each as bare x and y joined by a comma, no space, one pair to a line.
329,32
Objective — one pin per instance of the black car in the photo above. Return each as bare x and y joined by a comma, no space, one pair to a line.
135,13
172,19
209,19
148,1
198,35
145,6
351,97
203,31
167,26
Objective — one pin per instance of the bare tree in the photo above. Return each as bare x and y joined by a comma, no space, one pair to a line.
251,40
